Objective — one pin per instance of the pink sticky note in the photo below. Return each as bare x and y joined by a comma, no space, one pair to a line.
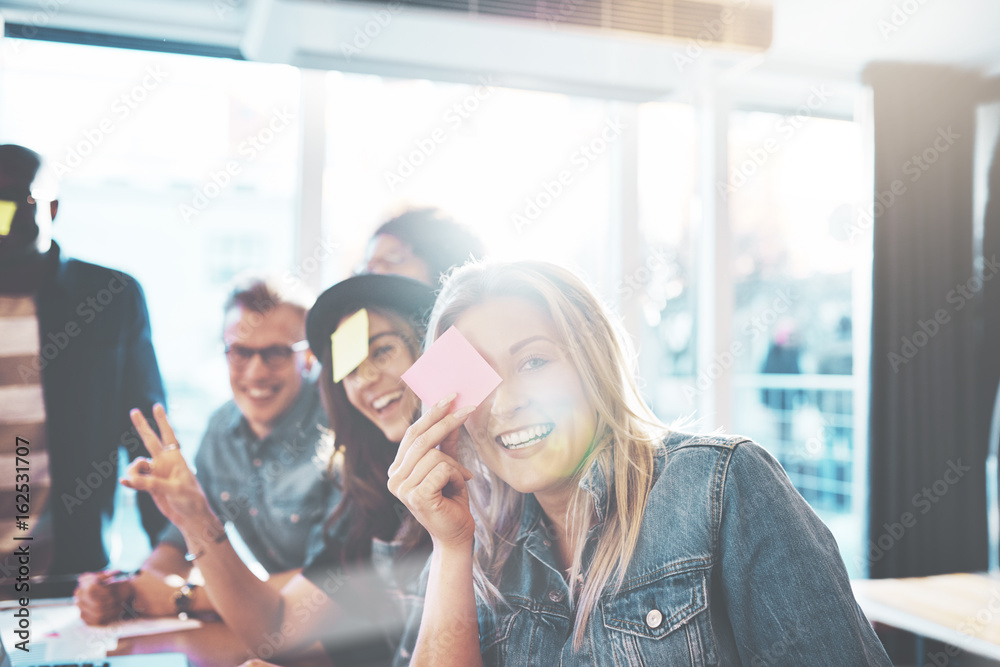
452,365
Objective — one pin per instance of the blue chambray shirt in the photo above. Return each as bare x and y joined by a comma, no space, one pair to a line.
275,491
732,567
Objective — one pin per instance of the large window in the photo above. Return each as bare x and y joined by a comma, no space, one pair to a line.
185,171
529,172
663,284
793,183
179,170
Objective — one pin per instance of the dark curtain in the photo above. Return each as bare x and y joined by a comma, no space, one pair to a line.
927,439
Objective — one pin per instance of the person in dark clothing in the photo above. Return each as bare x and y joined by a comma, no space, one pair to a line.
75,355
782,357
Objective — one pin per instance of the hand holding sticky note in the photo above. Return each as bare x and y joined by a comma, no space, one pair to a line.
350,344
451,364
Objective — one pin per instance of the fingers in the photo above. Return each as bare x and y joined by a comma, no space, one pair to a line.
432,488
166,430
427,480
146,432
99,601
413,472
139,475
427,433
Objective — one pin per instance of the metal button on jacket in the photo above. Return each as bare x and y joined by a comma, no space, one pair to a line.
654,618
556,595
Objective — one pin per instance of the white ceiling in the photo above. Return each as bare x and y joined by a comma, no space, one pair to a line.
832,39
845,35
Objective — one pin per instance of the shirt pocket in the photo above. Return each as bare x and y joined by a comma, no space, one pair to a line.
660,620
494,634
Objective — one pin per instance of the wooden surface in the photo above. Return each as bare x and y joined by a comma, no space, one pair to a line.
212,645
959,609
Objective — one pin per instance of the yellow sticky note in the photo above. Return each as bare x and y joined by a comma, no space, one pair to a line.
350,344
7,211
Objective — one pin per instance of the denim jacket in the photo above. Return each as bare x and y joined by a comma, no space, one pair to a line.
732,567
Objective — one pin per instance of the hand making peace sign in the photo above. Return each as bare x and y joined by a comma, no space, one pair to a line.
166,475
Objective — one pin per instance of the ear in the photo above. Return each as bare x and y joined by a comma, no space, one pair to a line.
54,208
310,360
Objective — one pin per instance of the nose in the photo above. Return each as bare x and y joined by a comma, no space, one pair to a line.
506,399
365,374
255,367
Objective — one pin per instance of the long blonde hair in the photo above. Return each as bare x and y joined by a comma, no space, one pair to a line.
625,439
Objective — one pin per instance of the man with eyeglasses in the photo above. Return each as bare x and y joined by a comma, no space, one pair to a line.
75,357
262,462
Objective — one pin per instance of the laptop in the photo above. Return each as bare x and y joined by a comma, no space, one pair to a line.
26,659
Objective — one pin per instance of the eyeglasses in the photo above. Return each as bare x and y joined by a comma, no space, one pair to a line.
273,356
384,350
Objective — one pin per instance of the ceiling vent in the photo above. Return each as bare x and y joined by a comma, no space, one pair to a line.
623,49
747,24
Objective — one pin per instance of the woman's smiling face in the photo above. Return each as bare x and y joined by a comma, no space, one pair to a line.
535,428
375,387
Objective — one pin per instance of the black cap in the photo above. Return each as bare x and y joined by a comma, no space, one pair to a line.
410,298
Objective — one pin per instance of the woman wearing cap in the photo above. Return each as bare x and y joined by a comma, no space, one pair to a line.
348,595
601,536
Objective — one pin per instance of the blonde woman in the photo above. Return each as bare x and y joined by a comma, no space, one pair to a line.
601,537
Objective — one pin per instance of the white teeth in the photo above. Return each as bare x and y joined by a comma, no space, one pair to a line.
255,392
525,437
386,399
